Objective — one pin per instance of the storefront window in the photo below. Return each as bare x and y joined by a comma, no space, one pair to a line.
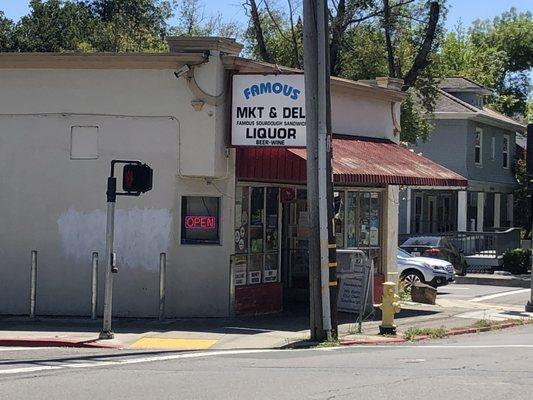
339,219
254,268
272,213
373,218
361,216
241,219
257,208
271,267
351,208
200,220
257,235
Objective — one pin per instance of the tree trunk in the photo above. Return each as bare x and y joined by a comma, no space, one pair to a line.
295,52
258,30
338,27
421,60
387,27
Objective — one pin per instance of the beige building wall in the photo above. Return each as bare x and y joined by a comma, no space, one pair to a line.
56,205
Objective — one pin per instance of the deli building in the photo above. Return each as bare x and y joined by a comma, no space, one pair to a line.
230,216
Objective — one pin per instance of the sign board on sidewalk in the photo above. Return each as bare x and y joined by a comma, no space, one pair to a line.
268,110
354,273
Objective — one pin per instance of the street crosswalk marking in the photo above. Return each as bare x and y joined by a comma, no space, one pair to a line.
8,348
173,343
495,295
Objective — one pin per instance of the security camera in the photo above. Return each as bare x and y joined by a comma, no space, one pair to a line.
181,71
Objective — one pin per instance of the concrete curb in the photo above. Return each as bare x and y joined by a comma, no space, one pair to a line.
452,332
56,342
511,282
377,340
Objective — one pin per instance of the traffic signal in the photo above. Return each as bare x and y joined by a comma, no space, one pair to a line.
137,178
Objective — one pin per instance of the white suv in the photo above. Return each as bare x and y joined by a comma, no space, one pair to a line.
432,271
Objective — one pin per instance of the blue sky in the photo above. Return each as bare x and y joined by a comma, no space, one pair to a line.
464,10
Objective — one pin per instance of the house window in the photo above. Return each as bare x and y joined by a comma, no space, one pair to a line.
478,142
505,151
200,220
493,148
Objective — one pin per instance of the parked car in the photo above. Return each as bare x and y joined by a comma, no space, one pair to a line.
440,247
432,271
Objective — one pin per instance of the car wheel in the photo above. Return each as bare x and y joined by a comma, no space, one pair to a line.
409,278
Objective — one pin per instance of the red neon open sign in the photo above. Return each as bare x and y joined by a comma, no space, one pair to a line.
200,222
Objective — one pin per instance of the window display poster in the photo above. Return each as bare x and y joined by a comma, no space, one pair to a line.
240,271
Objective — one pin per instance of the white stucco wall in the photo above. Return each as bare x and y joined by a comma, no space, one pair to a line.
56,205
361,115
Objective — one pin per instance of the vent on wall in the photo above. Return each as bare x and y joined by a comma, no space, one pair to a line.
83,142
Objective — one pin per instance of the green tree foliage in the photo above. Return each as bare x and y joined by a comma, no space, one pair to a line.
497,54
369,38
193,21
108,25
131,25
53,26
278,38
7,28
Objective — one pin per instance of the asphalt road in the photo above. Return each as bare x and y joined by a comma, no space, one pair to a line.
498,295
492,365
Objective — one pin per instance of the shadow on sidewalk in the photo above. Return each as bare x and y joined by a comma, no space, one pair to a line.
294,319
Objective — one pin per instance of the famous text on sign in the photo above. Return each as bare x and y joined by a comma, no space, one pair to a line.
268,110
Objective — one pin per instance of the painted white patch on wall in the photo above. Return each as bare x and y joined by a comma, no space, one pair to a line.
140,235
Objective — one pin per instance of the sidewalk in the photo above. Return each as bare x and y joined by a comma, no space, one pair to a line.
289,329
523,281
176,334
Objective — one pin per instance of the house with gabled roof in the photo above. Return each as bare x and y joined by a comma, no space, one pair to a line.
476,142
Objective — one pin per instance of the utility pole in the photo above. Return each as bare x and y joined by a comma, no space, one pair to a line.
319,185
529,174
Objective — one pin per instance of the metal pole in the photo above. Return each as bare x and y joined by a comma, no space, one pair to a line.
232,286
529,305
107,332
94,284
162,277
33,282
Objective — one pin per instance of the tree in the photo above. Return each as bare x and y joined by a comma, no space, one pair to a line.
192,21
131,25
272,36
92,25
497,54
369,38
7,28
53,26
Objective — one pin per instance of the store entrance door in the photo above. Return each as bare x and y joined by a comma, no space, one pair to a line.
295,245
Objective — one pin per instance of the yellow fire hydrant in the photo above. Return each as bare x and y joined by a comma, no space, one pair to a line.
389,306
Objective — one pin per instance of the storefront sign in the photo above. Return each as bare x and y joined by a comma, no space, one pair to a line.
254,277
200,217
268,110
354,272
200,222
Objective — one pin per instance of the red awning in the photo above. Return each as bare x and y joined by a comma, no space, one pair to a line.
356,161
